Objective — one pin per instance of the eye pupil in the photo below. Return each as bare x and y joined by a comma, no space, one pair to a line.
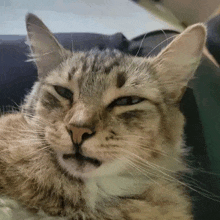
128,100
134,100
123,101
65,93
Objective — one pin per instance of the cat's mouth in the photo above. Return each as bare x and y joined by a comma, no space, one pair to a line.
82,159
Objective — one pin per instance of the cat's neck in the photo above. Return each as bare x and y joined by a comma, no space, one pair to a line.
113,187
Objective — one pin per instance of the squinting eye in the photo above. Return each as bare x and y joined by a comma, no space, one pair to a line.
128,100
64,92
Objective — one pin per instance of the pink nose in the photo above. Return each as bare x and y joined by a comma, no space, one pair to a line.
79,134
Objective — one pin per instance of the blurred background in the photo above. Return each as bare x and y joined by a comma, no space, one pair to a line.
131,17
97,16
182,13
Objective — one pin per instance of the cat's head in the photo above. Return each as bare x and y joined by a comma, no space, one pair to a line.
105,112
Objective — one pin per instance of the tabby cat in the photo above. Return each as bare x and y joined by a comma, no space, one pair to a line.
100,134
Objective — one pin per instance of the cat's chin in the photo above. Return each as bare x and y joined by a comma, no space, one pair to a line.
78,165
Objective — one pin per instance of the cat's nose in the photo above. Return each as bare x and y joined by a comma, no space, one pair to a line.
79,134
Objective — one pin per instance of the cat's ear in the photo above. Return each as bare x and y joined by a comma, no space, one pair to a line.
46,50
176,64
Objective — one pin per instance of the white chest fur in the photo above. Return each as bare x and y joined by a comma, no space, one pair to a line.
111,187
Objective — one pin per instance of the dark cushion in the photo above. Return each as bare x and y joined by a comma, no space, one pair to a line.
213,39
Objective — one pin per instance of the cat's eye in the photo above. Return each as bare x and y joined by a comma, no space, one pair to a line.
64,92
127,100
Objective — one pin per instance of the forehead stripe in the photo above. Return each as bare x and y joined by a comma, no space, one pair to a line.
71,73
121,79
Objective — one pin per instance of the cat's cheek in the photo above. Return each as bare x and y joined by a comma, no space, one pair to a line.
50,115
59,140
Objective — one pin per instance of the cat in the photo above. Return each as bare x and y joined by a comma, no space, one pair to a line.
100,135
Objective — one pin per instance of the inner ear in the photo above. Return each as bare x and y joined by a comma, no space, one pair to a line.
176,64
46,50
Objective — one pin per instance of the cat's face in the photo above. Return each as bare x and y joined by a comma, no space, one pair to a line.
103,112
102,97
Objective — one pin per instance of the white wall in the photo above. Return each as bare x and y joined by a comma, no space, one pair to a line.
97,16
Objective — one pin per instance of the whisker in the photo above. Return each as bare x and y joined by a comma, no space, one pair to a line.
141,44
145,148
72,42
139,169
186,185
157,168
160,44
138,50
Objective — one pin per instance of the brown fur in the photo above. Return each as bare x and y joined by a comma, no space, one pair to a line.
125,166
